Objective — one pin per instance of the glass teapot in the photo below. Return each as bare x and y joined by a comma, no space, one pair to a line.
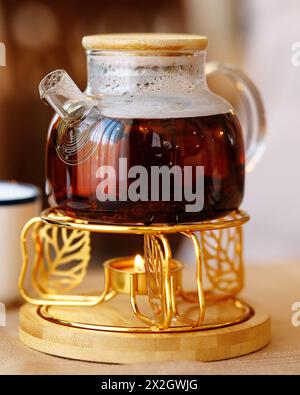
148,142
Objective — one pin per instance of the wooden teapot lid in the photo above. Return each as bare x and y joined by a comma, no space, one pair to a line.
145,41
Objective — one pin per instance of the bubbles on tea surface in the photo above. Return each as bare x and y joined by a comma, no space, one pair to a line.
152,87
114,75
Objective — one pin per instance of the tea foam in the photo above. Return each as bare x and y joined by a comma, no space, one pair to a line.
152,87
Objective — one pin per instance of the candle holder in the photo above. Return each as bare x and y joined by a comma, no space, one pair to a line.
143,312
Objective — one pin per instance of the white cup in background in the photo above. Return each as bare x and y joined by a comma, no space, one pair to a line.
18,203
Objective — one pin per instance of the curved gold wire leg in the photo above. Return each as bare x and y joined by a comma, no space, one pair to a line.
53,299
157,261
21,282
149,321
154,256
179,318
133,302
199,278
38,256
173,296
167,294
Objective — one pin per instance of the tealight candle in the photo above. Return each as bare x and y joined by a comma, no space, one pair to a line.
122,269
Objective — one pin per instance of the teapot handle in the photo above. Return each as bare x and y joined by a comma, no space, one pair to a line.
255,130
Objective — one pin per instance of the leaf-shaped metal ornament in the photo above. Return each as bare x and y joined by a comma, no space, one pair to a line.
63,259
153,256
223,261
157,255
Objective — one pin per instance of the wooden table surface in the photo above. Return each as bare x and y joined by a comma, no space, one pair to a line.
274,287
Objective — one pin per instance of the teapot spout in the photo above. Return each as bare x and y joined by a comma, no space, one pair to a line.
63,95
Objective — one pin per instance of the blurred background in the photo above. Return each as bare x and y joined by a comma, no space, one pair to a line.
42,35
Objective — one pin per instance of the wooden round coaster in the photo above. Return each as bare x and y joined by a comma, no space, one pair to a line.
117,347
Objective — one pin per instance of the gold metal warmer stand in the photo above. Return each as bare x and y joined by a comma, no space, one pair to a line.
140,315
